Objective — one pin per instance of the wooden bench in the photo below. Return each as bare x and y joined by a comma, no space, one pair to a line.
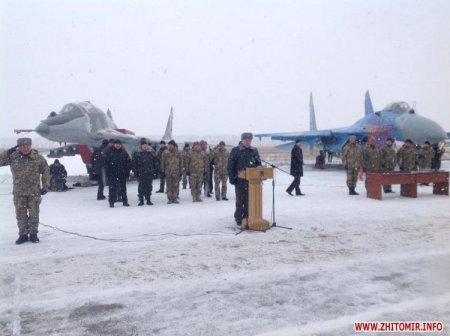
408,182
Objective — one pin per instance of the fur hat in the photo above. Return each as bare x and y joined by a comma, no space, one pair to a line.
246,135
172,142
24,141
162,142
144,141
117,141
222,143
409,141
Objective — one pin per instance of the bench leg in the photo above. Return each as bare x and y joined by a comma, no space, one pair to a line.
408,190
374,191
440,188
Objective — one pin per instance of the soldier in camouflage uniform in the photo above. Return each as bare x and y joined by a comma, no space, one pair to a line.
351,159
144,165
406,156
185,155
220,158
371,157
206,179
426,156
171,166
31,179
196,168
388,161
162,179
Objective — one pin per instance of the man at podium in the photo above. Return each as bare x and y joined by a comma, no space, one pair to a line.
242,157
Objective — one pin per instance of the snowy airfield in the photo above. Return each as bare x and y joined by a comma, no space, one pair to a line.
182,270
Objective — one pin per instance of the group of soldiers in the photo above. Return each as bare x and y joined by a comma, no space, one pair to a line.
112,166
369,159
194,166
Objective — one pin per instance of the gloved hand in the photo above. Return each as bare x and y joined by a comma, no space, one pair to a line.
43,191
232,180
12,150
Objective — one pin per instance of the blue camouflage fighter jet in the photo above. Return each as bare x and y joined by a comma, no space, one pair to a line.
397,120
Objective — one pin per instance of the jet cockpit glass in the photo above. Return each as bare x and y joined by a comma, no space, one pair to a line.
399,107
71,111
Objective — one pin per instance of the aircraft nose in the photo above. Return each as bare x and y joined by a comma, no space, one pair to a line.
42,129
420,129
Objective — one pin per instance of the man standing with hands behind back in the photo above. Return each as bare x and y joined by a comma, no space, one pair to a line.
242,157
29,170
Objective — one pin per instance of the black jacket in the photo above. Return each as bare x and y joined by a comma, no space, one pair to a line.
240,158
145,164
117,163
296,161
58,171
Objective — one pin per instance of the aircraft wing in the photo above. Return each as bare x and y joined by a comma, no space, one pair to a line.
314,136
306,136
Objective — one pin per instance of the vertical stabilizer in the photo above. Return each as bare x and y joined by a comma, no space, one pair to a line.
312,114
168,133
109,114
368,107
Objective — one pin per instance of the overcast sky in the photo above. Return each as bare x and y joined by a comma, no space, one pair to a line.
224,66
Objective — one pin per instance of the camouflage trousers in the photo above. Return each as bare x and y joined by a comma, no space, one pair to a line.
185,180
206,186
218,179
196,181
352,177
173,187
387,187
27,213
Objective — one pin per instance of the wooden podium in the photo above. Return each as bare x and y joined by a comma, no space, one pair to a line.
255,176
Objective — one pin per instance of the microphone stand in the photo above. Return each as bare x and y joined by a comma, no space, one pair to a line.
274,224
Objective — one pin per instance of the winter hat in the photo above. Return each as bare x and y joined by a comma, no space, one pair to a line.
117,141
246,135
24,141
162,142
172,142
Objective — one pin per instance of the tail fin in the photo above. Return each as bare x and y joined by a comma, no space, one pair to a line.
168,133
312,114
368,107
109,114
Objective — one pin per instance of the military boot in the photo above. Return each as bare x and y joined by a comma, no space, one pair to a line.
34,238
352,191
149,202
22,239
141,200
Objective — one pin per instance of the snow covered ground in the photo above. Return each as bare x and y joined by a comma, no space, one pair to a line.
181,270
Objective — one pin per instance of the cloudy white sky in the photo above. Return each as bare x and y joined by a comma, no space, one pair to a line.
225,66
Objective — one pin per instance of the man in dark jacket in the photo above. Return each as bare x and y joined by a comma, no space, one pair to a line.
117,166
242,157
58,176
98,169
144,167
296,168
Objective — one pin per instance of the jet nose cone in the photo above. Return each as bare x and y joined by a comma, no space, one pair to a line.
420,129
42,129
